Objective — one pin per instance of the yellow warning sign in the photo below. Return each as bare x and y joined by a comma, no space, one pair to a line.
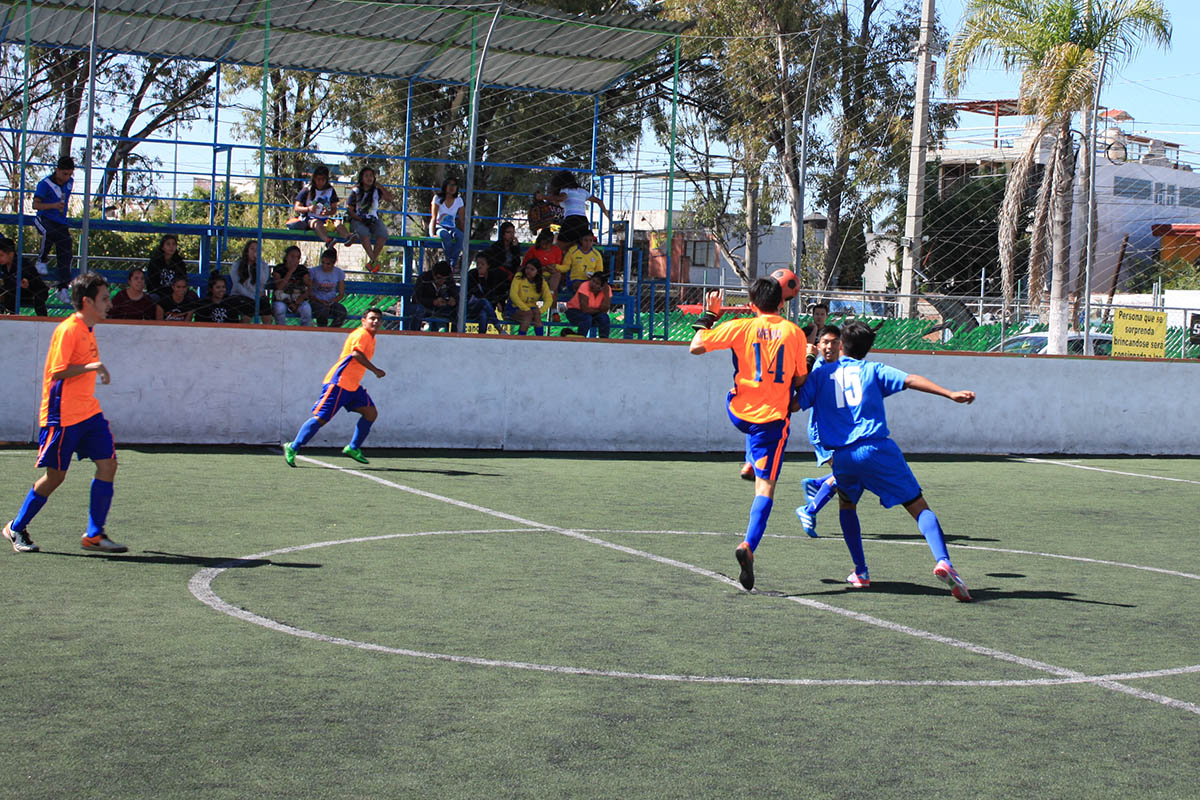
1140,333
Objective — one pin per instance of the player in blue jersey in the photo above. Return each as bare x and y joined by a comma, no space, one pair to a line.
846,397
818,491
50,200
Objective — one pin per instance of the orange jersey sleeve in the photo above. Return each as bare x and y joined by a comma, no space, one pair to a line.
347,372
70,400
768,353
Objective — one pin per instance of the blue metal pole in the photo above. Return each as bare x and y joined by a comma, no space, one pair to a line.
262,160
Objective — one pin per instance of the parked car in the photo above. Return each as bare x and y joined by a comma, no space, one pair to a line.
1035,343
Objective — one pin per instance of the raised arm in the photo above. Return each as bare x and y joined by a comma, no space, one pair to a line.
922,384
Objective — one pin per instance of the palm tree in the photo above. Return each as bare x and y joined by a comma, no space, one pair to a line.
1058,46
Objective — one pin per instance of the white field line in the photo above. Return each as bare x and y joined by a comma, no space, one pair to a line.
1109,471
1160,570
200,586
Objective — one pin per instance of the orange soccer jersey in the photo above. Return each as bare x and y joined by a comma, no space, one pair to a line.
67,401
768,352
347,372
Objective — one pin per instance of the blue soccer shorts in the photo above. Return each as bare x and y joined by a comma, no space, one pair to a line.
765,444
88,439
334,397
877,466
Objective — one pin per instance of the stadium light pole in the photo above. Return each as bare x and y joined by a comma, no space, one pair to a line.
469,201
91,133
1090,260
914,217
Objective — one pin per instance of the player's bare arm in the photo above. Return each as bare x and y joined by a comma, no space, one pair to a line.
81,369
922,384
712,312
361,358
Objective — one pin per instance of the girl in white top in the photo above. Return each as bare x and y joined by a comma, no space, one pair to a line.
447,220
565,191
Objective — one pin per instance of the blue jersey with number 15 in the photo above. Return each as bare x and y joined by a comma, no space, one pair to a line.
846,397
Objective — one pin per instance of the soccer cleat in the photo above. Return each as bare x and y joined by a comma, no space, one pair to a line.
748,471
355,453
64,296
858,581
808,522
102,544
20,540
811,487
289,454
946,574
745,557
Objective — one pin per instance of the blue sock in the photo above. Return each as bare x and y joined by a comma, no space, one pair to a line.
932,531
822,496
852,535
539,331
759,511
307,431
102,495
29,509
522,332
360,433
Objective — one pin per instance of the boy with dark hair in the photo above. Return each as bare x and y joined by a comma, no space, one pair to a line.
50,201
768,360
846,397
819,490
71,420
343,389
435,295
14,270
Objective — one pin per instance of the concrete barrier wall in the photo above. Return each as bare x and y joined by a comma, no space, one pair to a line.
243,384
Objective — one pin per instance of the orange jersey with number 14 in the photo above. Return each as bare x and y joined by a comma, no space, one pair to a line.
768,353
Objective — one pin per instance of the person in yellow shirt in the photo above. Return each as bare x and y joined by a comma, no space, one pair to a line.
581,261
529,288
343,389
71,420
769,365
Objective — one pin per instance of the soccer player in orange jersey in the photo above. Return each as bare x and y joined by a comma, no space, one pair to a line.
769,364
71,421
342,390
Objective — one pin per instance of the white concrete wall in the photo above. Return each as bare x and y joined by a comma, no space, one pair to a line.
241,384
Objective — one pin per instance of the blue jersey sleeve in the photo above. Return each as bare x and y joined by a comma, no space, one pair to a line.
44,193
890,379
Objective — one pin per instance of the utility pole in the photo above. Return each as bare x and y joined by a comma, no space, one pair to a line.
915,217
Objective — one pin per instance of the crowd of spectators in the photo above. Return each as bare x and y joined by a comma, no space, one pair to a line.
556,274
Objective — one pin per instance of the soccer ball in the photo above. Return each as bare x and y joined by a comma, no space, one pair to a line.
788,282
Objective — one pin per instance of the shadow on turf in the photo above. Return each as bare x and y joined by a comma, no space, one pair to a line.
453,473
901,537
978,595
159,557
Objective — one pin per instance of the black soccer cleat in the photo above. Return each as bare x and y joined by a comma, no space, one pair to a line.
745,557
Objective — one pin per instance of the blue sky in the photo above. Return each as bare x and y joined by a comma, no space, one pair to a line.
1160,89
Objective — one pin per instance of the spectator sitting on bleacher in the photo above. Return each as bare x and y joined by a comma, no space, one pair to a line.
447,220
820,313
291,284
483,284
34,291
216,306
316,204
134,302
328,290
179,305
551,255
362,207
588,309
529,289
493,284
250,280
581,261
435,296
504,253
165,263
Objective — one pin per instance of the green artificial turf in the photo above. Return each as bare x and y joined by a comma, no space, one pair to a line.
568,628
